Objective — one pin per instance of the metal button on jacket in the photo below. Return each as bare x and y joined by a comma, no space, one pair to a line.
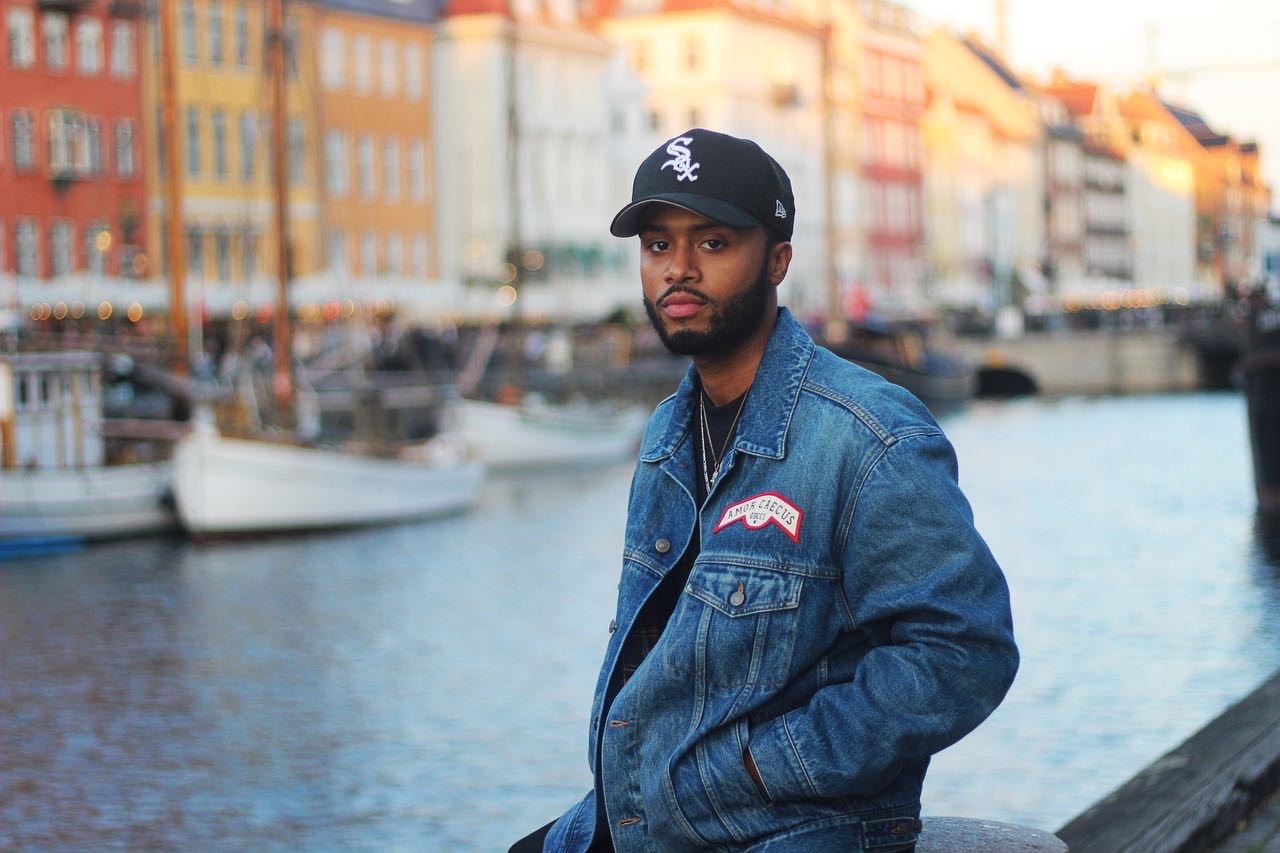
739,595
662,546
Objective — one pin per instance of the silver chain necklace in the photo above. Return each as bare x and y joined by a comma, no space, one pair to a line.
709,474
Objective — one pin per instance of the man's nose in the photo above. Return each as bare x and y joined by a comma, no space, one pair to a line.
681,265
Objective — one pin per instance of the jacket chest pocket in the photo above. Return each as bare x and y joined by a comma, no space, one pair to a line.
735,626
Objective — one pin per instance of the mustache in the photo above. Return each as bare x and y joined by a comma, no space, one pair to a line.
681,288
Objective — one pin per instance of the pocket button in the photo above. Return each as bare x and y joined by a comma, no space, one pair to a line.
739,595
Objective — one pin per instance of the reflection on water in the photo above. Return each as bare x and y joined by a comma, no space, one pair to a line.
426,687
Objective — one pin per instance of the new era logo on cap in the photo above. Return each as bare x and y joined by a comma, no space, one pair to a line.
721,177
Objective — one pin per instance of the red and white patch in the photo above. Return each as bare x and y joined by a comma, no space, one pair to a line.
763,510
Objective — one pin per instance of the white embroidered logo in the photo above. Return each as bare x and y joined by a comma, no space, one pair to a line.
682,159
763,510
780,212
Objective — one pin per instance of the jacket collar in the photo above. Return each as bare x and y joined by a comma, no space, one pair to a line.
771,402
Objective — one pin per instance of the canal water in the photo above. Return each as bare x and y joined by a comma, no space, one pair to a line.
427,686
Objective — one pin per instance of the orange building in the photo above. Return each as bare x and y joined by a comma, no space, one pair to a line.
374,112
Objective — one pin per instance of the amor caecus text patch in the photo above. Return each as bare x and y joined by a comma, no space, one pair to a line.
763,510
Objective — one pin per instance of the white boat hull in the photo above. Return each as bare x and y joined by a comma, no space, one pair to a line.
227,486
101,502
520,437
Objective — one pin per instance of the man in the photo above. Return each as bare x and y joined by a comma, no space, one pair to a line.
806,613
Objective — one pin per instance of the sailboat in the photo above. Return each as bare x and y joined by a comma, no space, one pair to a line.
277,481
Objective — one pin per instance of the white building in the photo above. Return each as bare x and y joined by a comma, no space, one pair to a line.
525,172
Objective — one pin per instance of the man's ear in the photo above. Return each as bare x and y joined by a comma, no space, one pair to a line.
779,262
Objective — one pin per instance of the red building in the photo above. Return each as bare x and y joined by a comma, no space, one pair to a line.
72,193
893,155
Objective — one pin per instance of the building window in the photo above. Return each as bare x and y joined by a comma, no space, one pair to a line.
240,24
389,72
89,47
123,63
291,47
55,40
61,249
26,241
395,254
222,254
97,242
193,141
420,255
93,146
417,171
337,251
219,130
369,253
190,48
364,165
335,163
24,140
66,130
363,49
195,252
391,168
126,158
333,59
297,142
249,254
213,23
22,38
248,145
412,72
692,53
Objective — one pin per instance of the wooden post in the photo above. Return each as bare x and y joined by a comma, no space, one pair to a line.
173,186
281,345
8,405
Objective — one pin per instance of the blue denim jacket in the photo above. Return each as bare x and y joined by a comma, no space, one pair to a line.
844,621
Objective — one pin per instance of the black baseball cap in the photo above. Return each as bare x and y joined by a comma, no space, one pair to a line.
721,177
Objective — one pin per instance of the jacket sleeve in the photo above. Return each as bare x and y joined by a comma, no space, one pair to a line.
923,586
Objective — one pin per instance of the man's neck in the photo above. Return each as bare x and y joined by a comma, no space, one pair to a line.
727,376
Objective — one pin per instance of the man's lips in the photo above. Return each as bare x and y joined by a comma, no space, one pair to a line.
681,305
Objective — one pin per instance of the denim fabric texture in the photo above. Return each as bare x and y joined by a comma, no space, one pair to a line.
843,621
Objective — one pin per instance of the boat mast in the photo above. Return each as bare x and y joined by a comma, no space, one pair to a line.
173,189
281,344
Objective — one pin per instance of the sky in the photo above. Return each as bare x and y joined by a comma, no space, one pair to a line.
1116,41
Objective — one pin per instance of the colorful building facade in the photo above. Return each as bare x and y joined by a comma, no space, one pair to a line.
224,108
893,102
376,139
72,172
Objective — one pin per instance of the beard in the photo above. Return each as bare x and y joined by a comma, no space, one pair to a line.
732,321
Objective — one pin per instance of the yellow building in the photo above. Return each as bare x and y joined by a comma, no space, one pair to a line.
983,179
374,97
224,110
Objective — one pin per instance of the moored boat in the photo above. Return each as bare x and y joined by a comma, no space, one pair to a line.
901,355
61,478
1259,371
532,435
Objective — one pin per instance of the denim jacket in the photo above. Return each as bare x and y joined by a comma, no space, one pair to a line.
843,622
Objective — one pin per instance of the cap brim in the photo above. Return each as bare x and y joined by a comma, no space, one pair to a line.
628,221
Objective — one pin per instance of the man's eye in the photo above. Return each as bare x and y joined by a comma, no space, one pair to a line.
713,243
657,245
